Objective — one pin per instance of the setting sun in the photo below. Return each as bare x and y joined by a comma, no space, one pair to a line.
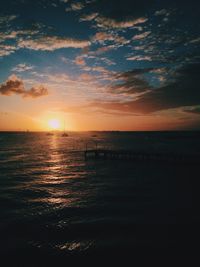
54,124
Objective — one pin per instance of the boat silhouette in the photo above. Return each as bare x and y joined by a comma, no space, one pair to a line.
49,134
64,132
65,135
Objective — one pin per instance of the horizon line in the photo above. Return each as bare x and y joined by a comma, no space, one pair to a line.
74,131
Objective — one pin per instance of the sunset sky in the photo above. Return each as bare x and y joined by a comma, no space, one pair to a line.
100,64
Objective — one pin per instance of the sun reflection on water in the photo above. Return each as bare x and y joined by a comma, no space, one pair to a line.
75,246
57,195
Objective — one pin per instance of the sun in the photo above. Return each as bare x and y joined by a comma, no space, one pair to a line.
54,124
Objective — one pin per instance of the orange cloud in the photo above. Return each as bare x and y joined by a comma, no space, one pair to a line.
79,61
104,22
101,37
139,58
51,43
77,6
141,36
15,85
89,17
86,77
6,50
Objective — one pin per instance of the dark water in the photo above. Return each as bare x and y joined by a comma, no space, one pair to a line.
54,205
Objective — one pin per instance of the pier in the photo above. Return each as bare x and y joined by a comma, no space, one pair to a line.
128,155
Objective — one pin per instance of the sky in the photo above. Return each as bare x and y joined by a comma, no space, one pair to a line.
100,64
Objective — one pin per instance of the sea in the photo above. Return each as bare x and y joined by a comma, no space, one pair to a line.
56,207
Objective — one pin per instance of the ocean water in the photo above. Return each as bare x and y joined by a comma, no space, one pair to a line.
55,205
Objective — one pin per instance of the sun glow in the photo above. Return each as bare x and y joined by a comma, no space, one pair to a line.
54,124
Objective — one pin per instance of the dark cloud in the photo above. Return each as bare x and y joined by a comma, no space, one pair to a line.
183,91
15,85
193,110
131,82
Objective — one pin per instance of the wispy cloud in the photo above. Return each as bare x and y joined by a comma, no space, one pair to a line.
107,61
51,43
161,12
22,67
6,35
139,58
79,61
141,36
6,50
86,77
195,41
75,7
102,50
109,23
6,19
101,37
88,17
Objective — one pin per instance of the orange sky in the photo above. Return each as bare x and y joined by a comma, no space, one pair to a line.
36,116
